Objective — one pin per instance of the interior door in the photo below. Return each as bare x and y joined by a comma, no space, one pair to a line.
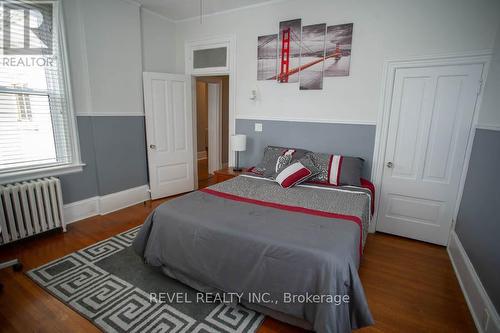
169,133
214,127
431,115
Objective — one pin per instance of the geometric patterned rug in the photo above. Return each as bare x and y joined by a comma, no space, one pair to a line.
110,286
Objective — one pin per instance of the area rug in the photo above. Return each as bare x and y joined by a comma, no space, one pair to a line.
110,285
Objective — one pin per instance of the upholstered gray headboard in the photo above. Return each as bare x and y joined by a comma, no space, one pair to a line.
346,139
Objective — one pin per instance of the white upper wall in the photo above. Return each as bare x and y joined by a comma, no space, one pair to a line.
158,43
104,41
388,29
77,56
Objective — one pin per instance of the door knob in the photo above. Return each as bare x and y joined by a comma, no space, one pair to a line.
390,165
152,146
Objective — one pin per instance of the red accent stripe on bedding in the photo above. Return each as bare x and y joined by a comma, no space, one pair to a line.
296,209
365,183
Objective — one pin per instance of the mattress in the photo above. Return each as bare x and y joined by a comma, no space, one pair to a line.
295,252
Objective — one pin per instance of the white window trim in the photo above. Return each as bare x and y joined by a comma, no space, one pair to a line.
55,170
21,174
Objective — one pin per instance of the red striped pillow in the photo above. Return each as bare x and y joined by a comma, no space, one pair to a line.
292,175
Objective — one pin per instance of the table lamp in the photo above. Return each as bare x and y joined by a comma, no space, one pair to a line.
238,144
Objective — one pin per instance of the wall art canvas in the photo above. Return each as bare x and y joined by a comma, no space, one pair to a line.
305,55
289,51
312,57
267,55
338,50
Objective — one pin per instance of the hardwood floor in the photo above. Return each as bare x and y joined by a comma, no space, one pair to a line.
204,178
410,286
203,169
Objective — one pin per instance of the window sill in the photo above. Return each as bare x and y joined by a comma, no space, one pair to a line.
17,176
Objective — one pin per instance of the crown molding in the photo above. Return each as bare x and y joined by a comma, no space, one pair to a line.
139,4
136,3
227,11
163,17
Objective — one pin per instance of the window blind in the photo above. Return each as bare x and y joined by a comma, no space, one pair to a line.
35,129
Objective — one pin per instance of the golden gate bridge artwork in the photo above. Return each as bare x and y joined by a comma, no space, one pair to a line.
305,54
289,51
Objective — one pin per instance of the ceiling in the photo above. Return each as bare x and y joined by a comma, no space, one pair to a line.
184,9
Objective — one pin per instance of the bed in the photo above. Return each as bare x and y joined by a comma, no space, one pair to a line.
250,236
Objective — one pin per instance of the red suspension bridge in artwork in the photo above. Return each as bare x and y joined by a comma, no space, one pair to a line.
285,71
285,55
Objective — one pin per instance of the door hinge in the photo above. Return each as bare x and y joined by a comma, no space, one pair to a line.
480,88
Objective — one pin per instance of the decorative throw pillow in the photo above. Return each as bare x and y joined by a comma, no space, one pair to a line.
306,161
337,169
284,160
277,157
293,174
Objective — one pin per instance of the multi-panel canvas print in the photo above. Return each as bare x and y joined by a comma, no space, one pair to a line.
305,54
289,51
312,56
338,50
267,52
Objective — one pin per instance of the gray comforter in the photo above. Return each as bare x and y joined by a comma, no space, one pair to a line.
300,248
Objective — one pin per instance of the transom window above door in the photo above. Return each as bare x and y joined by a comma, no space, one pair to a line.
208,56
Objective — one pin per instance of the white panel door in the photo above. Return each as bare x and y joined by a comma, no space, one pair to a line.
431,115
214,127
169,134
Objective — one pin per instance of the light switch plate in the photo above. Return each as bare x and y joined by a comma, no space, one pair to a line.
258,127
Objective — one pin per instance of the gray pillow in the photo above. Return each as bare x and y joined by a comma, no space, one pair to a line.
337,169
277,157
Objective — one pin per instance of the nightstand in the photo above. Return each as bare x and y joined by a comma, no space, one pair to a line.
225,174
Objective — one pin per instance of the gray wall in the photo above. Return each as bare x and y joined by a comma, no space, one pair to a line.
114,151
478,222
82,185
345,139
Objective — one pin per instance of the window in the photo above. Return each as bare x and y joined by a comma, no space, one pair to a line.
208,56
37,127
24,107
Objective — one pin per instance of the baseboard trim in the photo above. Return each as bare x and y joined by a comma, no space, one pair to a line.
477,299
106,204
202,155
80,210
116,201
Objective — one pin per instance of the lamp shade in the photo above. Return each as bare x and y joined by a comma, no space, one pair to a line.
239,142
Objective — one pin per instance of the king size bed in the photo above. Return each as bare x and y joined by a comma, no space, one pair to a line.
300,247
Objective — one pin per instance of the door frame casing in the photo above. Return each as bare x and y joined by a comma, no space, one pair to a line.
228,41
389,72
214,123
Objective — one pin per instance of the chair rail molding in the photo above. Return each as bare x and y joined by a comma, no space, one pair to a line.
306,120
